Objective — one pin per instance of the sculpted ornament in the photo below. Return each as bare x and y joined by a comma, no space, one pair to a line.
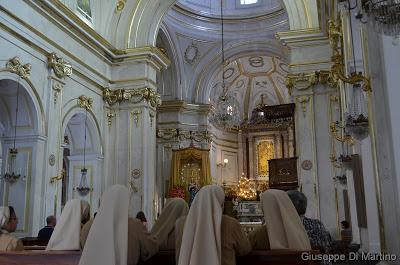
85,102
191,53
60,67
135,95
14,65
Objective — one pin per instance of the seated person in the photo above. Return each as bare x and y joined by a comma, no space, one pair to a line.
45,232
8,224
206,236
142,218
85,230
346,234
283,228
319,236
164,228
66,235
114,237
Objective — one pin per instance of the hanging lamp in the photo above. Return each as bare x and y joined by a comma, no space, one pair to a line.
226,114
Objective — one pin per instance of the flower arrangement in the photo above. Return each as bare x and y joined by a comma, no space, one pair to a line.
177,192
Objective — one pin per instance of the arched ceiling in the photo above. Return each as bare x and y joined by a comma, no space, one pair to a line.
249,77
75,131
27,118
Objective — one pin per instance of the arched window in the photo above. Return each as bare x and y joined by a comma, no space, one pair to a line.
85,8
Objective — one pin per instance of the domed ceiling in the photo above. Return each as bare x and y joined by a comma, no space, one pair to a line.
247,78
238,9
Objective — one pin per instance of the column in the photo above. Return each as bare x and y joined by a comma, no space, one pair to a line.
131,143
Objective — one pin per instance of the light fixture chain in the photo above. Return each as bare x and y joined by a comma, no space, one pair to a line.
84,145
16,115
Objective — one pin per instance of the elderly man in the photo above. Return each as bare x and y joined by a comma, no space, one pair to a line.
46,232
319,236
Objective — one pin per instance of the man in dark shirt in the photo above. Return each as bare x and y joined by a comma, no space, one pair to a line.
45,232
319,236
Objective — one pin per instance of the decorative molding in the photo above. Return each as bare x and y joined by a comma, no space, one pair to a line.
132,95
110,115
304,81
135,114
180,135
338,68
57,87
343,139
120,5
303,100
85,102
151,119
15,66
191,53
60,67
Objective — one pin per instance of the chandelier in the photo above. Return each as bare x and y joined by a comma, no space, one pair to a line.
226,113
384,15
83,187
12,174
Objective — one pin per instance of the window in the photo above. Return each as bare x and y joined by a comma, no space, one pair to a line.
84,7
248,2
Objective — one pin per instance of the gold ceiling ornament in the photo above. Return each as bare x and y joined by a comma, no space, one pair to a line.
14,65
60,67
337,69
120,5
85,102
304,81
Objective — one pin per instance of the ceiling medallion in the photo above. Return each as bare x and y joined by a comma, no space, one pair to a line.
256,61
191,53
229,72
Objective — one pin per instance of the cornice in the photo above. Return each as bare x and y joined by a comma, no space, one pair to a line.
94,40
183,106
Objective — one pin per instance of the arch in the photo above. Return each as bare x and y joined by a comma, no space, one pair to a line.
30,89
95,128
146,17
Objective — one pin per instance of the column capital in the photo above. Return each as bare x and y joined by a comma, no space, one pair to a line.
305,81
134,95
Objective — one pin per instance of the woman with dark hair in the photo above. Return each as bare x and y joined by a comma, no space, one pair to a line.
8,224
142,218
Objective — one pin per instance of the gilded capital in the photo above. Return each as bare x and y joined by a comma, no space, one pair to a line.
304,81
143,94
14,65
60,67
85,102
113,96
135,95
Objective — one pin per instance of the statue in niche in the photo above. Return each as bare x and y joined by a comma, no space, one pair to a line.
190,177
265,152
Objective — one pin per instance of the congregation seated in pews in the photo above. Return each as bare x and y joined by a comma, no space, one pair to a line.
183,236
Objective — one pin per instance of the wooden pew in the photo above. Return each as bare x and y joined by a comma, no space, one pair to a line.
40,258
270,257
258,257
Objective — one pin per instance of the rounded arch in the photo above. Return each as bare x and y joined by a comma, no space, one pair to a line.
93,126
33,95
146,17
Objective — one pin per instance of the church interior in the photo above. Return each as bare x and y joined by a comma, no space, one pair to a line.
164,97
